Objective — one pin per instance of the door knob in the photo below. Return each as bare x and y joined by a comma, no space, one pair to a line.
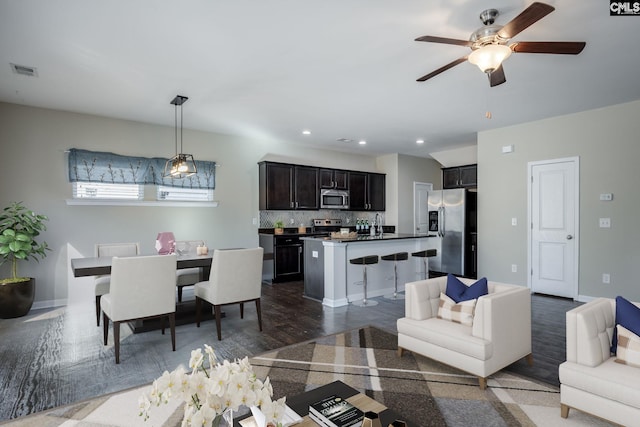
569,237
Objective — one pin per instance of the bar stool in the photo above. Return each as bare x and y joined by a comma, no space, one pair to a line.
428,253
364,261
398,256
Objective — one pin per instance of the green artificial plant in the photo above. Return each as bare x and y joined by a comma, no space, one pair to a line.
19,228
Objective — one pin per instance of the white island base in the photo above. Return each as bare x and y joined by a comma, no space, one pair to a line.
343,280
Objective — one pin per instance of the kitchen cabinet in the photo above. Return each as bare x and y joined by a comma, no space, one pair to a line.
334,178
366,191
286,187
460,177
283,257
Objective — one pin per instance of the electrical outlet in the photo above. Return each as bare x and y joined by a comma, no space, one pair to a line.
514,221
605,222
514,268
606,278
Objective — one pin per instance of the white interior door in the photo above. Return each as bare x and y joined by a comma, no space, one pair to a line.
420,208
553,239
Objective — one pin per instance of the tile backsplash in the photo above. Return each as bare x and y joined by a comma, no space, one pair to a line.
305,218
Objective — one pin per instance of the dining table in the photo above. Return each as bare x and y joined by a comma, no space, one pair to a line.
185,310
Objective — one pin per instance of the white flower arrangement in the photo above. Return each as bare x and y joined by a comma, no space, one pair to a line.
210,392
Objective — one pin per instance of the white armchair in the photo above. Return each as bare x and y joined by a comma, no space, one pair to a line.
187,276
499,336
590,379
110,250
236,278
141,287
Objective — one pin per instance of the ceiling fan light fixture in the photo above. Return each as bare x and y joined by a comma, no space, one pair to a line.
489,57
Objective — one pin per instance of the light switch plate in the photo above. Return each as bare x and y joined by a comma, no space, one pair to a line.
606,197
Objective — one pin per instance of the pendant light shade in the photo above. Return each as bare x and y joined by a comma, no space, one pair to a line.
181,165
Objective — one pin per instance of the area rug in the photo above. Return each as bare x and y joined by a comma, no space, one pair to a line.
427,393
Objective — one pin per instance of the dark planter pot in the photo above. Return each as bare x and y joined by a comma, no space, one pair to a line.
16,299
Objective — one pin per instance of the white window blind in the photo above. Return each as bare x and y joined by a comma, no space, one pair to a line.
181,194
102,190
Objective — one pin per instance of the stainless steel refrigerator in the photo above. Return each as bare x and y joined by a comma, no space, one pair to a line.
451,222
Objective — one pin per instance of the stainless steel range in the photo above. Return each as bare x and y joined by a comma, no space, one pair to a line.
326,226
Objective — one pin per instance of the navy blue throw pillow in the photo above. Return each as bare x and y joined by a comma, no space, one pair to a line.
458,291
627,315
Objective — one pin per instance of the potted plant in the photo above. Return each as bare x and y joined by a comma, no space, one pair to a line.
19,228
278,227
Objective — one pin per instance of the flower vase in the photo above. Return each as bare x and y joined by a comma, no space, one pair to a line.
223,420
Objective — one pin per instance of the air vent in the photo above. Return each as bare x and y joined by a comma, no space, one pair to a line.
344,140
25,70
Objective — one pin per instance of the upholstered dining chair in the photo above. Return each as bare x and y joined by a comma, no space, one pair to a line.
187,276
110,250
141,287
235,278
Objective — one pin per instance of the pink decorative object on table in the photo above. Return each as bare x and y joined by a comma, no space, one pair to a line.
165,243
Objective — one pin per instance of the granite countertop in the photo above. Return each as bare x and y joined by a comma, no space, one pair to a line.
369,238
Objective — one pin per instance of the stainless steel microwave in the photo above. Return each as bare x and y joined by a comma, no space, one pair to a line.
334,199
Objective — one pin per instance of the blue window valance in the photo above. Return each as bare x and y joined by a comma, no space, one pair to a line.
96,166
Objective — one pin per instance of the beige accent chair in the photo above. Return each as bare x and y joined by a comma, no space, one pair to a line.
141,287
499,336
236,278
590,379
110,250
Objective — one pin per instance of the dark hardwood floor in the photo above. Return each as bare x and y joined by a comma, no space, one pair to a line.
54,357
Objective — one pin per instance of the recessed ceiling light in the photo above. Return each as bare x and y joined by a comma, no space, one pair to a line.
306,132
362,142
420,141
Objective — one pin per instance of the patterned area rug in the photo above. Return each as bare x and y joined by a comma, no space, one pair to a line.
427,393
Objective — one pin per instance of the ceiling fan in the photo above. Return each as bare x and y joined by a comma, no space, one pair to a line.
489,43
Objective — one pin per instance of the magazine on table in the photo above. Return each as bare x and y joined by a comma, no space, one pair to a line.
334,411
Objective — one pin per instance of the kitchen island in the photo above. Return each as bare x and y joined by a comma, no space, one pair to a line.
330,278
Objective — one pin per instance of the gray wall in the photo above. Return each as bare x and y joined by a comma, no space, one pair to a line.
608,146
32,148
402,171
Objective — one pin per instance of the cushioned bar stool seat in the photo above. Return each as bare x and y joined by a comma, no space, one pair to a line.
364,261
398,256
427,253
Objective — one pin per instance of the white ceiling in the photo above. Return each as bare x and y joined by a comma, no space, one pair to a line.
341,68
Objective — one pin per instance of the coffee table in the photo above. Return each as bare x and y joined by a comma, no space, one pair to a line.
301,402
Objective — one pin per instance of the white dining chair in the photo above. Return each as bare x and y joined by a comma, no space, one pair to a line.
235,278
141,287
109,250
187,276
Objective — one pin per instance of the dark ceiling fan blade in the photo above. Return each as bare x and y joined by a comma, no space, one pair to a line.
528,17
442,69
434,39
496,77
565,48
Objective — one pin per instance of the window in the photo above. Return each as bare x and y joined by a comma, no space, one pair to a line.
184,194
104,190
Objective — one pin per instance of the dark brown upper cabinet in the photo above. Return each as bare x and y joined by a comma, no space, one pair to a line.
286,187
366,191
334,178
460,177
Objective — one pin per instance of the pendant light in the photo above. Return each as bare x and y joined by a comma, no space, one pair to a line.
181,165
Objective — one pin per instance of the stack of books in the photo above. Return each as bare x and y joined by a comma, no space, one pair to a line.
334,411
